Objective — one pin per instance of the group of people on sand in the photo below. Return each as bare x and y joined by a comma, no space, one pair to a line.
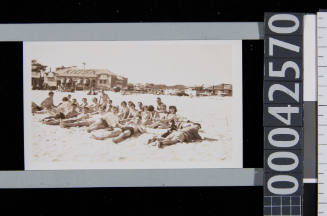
119,122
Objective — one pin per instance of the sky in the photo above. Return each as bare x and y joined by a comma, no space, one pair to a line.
159,62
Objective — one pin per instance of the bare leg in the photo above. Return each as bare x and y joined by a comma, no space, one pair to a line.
52,122
72,120
112,134
76,124
153,139
154,125
122,136
166,142
96,126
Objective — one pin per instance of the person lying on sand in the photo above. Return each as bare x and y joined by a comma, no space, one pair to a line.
172,127
108,120
189,133
84,119
122,132
56,119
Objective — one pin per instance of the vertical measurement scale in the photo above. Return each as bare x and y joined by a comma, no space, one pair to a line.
322,112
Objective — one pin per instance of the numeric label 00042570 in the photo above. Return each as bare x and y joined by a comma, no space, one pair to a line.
283,105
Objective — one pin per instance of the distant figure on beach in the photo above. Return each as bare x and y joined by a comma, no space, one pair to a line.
91,92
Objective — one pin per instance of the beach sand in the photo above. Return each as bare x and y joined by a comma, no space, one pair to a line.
52,147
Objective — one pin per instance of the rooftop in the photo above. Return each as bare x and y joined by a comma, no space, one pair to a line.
77,72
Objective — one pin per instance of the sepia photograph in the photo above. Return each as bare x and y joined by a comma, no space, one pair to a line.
133,104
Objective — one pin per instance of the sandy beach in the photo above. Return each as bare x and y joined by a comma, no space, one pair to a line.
52,147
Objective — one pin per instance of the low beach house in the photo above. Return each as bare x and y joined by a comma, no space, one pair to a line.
80,79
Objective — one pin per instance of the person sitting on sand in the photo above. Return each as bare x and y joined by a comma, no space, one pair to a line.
69,97
124,112
129,103
189,133
95,106
65,106
145,109
48,102
74,101
159,102
150,116
45,104
104,98
161,107
109,107
172,115
164,120
140,106
84,103
132,110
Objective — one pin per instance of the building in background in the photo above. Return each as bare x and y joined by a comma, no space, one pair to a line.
37,74
73,78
